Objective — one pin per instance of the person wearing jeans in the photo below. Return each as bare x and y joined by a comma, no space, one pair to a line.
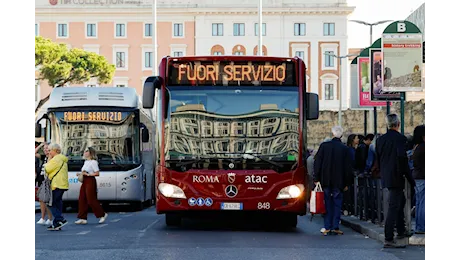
333,199
333,170
419,176
57,171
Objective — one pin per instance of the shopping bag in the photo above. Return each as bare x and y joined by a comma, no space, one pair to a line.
317,205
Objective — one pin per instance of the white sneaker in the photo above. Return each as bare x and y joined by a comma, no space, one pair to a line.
102,220
41,222
49,222
81,222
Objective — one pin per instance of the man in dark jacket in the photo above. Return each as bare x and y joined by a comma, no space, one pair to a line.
362,152
332,168
394,167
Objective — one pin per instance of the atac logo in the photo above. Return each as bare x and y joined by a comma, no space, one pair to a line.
53,2
231,177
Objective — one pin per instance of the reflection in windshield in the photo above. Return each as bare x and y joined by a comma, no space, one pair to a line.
114,142
226,123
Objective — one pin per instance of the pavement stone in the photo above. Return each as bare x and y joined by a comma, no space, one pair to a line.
377,232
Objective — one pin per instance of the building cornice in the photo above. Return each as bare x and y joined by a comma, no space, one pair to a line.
195,11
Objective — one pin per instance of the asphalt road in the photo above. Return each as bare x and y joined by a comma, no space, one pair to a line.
144,235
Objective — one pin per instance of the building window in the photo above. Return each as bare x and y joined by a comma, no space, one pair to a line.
329,59
264,29
238,29
148,61
121,60
239,53
178,54
178,30
299,29
120,86
120,30
329,92
329,29
217,29
91,30
148,30
300,54
62,30
217,53
36,29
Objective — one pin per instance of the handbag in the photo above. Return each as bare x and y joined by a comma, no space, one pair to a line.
317,205
80,178
45,194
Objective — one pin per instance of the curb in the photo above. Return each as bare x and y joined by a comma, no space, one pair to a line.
376,232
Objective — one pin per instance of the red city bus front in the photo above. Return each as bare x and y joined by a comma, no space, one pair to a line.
230,134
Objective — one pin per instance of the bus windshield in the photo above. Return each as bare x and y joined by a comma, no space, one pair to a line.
113,134
232,122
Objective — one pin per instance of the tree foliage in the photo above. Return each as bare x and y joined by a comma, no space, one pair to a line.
60,66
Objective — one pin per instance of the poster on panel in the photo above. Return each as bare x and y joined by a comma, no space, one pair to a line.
364,84
377,73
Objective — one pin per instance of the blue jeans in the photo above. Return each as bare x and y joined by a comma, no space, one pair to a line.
420,205
56,208
333,199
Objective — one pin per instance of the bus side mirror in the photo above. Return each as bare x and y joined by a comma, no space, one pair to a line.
38,130
312,106
145,135
148,93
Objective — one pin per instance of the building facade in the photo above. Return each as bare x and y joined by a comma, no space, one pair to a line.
122,31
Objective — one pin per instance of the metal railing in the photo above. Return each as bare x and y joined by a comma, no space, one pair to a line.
368,200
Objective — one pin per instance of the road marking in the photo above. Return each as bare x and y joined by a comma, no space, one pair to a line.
103,225
149,226
115,220
83,232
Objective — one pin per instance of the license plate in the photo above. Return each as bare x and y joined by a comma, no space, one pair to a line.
231,206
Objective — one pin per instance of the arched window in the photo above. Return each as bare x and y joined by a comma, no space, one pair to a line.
217,50
264,50
239,50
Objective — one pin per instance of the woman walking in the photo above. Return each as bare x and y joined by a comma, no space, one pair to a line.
88,190
39,179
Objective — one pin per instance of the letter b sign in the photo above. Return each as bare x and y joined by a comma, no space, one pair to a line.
401,27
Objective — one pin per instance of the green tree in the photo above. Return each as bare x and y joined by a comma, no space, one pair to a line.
60,66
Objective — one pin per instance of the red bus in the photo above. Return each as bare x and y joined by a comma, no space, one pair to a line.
230,135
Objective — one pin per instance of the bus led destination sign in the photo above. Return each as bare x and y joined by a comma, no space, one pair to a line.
233,72
223,73
93,116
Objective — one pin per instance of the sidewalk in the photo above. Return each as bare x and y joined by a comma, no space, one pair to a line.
376,232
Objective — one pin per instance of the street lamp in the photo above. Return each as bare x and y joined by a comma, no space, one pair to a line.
154,38
371,25
340,79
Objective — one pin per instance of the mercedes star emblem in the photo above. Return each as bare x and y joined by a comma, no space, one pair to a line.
231,177
231,191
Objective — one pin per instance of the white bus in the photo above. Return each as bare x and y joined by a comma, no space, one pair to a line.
112,121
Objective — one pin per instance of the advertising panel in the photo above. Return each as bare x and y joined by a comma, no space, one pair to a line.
377,74
364,84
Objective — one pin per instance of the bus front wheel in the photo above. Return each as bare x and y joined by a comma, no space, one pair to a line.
173,220
290,220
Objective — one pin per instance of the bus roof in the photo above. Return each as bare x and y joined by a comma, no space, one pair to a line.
86,96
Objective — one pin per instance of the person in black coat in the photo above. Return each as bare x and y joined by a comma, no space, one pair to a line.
333,170
394,168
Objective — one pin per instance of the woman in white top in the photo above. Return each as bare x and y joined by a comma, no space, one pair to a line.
88,190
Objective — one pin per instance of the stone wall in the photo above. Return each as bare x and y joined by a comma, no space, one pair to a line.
353,122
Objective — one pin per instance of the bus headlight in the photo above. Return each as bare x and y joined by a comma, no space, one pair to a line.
291,192
171,191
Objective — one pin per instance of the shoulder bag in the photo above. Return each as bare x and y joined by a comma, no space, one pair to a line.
45,194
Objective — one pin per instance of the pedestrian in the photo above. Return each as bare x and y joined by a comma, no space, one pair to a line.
419,176
352,144
39,179
332,169
88,189
362,153
56,170
394,167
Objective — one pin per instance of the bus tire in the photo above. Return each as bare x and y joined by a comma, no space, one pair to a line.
173,220
137,206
